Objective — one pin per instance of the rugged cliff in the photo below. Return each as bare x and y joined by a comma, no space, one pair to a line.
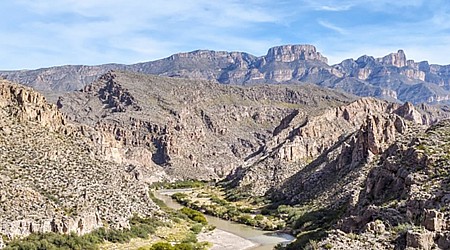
192,129
403,203
304,138
51,177
398,78
372,164
392,77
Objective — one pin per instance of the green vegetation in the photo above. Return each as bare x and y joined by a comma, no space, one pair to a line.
210,201
179,184
247,219
140,228
159,202
328,246
194,215
159,246
180,246
197,228
312,223
402,228
219,201
53,241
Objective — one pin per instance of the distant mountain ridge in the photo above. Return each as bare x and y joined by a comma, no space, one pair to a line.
391,77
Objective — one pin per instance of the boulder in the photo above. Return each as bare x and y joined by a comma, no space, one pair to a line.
419,240
434,220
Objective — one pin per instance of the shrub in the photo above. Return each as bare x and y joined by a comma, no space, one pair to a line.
328,246
161,246
194,215
118,236
259,217
219,201
247,219
190,238
53,241
197,228
185,184
184,246
180,198
140,227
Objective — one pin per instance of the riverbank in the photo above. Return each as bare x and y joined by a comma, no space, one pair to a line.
222,240
228,234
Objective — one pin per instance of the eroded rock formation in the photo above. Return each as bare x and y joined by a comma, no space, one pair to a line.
191,129
392,77
52,177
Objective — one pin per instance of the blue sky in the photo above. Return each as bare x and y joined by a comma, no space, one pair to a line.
41,33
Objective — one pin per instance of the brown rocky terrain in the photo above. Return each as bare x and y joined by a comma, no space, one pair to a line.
351,167
403,203
304,137
52,178
191,129
392,77
379,168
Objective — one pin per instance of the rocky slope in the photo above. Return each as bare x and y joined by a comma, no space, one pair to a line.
370,170
391,77
191,129
400,79
306,139
403,203
52,177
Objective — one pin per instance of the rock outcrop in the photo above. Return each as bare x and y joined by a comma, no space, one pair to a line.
291,53
407,190
52,178
367,124
191,129
27,105
394,59
372,164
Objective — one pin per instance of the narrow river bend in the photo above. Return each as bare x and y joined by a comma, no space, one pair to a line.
265,240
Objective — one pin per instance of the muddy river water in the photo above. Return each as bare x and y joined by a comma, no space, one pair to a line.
265,240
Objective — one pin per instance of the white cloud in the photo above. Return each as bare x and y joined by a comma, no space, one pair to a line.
101,31
335,8
126,31
333,27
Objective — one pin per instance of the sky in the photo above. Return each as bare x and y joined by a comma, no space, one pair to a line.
43,33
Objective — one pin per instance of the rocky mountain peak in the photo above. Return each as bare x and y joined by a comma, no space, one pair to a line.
290,53
365,60
199,54
112,94
409,112
395,59
27,105
391,77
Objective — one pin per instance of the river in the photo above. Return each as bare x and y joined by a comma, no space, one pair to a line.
265,240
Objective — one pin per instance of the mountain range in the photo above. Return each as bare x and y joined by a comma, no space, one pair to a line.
391,77
361,172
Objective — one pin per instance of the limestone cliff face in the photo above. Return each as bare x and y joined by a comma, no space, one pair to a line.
299,62
302,137
395,74
191,129
409,185
28,105
53,178
395,59
342,169
392,77
290,53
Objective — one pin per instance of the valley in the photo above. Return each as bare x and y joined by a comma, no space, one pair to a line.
255,158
